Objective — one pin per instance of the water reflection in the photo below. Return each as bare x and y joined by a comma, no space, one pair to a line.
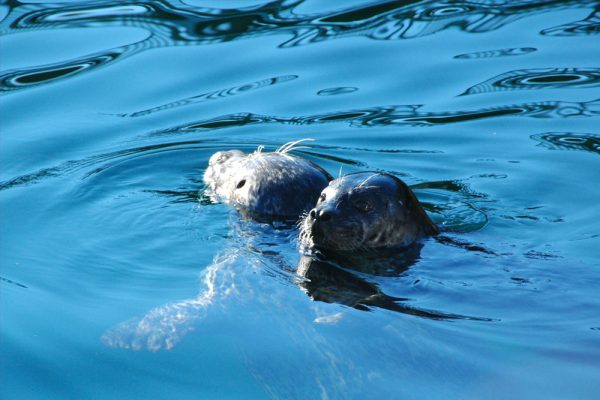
11,282
569,141
175,23
89,164
22,78
587,26
455,207
327,282
336,91
399,115
255,260
215,95
385,20
517,51
540,78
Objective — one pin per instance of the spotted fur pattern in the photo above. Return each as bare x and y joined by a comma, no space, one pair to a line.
266,184
365,212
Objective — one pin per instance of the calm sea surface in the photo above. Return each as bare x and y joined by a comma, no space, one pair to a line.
119,279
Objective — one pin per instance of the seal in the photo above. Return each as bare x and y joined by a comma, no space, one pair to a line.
365,212
266,185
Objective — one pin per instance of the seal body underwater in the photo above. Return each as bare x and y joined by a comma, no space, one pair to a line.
266,185
364,213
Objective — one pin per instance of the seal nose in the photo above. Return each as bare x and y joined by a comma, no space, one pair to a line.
318,216
324,216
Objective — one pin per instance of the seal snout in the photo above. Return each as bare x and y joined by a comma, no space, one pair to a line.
320,215
326,226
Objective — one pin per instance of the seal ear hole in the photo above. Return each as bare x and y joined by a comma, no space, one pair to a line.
241,184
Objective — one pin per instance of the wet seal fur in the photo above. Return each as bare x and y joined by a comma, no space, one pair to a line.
366,222
266,185
366,213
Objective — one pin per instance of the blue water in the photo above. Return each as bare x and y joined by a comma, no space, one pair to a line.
120,279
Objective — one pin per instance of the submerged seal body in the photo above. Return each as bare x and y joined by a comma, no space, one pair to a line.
364,213
266,185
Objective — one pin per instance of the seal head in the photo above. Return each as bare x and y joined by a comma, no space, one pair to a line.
265,185
365,212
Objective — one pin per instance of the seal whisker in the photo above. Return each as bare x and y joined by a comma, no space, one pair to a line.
259,149
363,183
289,146
272,185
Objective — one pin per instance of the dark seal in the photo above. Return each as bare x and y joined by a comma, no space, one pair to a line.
363,213
266,185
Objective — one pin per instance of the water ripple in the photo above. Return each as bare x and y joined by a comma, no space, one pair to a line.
515,51
21,78
588,26
398,115
94,13
174,23
453,205
336,91
11,282
86,163
539,78
215,95
569,141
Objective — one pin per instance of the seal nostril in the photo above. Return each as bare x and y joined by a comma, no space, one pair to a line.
313,214
241,184
324,216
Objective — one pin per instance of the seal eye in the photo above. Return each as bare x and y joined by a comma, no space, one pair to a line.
363,206
322,197
241,184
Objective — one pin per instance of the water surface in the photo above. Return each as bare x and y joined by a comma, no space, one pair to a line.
120,279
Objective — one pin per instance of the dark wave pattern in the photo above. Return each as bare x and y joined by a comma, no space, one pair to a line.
16,79
540,78
175,23
588,26
89,162
215,95
400,115
336,91
569,141
455,207
11,282
517,51
21,78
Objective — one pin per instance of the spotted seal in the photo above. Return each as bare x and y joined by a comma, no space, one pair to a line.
365,212
266,185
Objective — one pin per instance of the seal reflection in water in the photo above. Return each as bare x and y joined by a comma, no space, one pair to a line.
369,222
266,185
